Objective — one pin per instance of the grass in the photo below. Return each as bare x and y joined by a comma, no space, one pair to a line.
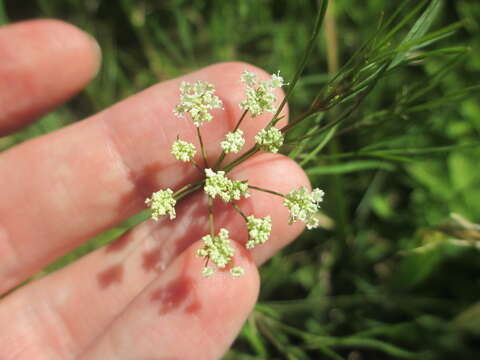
391,275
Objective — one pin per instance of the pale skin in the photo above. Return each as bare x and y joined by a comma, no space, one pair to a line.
142,296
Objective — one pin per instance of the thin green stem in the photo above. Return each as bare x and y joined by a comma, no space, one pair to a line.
266,190
311,43
179,191
188,189
253,150
210,217
197,166
298,120
276,118
240,120
202,147
237,208
334,146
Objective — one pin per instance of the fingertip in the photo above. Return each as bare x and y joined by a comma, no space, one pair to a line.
64,36
44,63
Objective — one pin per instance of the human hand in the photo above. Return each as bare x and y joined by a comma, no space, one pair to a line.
142,296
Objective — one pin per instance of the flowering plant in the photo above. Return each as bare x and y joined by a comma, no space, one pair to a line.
196,101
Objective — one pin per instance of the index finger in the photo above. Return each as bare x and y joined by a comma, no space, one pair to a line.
77,182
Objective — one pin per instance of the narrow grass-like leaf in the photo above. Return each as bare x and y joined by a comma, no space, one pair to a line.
324,140
311,43
300,146
404,20
349,167
365,343
420,28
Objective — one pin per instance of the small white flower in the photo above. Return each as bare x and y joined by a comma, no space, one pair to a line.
259,230
197,99
303,205
277,81
270,140
161,203
259,96
317,195
183,151
208,271
217,249
233,142
217,184
237,271
248,78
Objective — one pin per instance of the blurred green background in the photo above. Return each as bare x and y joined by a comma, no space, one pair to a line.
394,272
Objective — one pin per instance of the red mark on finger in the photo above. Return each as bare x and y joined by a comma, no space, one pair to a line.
178,293
111,275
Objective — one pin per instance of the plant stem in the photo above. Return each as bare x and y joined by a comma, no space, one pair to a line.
334,147
311,43
197,166
266,190
276,118
240,120
210,216
298,120
236,207
253,150
202,147
188,189
331,39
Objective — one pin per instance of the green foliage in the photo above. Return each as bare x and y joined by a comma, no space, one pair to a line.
392,137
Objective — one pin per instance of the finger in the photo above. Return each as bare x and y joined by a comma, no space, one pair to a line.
182,315
79,181
43,63
79,301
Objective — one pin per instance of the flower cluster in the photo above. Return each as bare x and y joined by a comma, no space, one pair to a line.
217,249
161,203
259,95
237,271
259,230
303,205
269,140
183,151
233,142
217,184
197,99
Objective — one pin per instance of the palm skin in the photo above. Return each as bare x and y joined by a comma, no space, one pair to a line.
142,296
